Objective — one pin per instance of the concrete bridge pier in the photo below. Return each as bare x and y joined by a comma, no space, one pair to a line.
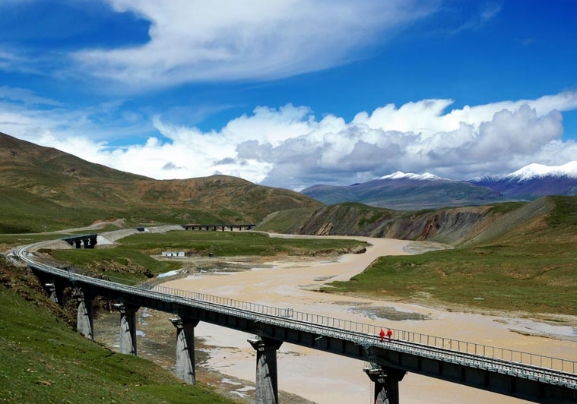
84,317
386,384
127,328
185,369
55,292
87,240
266,369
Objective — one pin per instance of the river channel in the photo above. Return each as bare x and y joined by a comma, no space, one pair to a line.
324,378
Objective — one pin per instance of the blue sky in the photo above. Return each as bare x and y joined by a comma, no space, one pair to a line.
292,93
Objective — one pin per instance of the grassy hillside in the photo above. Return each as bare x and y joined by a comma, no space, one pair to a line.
55,190
524,261
349,218
44,360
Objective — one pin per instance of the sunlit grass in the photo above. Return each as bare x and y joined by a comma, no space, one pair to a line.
44,360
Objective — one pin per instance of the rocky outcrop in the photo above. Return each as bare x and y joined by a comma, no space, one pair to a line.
325,229
359,250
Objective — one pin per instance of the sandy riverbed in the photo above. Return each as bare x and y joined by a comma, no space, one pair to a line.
326,378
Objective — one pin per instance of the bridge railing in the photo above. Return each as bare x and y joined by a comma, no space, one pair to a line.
490,352
224,301
371,330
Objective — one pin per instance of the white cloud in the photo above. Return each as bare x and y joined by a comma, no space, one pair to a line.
9,60
20,59
288,147
480,18
25,95
44,121
195,40
432,119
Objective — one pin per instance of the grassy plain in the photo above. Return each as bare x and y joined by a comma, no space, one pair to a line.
123,265
497,277
234,243
129,262
44,360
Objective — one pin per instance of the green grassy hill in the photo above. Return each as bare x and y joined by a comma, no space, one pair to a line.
43,360
55,190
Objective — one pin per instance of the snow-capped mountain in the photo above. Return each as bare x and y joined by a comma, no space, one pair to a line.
533,171
535,180
399,175
406,191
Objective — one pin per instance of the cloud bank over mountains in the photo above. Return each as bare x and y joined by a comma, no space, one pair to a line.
291,147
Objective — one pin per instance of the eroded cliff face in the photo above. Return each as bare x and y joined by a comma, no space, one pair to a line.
446,225
451,225
458,226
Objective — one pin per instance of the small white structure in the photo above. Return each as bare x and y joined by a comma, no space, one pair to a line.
173,254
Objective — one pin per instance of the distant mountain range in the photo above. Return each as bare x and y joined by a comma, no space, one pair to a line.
402,191
534,180
407,191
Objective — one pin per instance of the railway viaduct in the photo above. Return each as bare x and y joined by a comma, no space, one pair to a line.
517,374
215,227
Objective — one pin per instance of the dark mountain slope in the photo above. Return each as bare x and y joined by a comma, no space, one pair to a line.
531,188
406,193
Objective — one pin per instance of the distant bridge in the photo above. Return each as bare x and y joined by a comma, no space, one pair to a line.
85,240
215,227
517,374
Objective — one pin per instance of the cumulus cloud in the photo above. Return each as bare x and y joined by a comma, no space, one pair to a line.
195,40
289,147
525,132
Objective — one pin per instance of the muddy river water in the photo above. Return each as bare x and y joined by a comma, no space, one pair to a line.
324,378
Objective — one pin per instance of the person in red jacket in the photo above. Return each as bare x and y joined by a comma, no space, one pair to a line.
382,335
389,334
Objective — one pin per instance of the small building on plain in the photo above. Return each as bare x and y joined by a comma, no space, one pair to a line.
173,254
